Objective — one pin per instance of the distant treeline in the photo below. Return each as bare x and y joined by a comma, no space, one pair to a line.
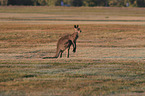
118,3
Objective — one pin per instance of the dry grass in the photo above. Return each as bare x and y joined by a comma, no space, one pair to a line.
93,35
109,60
72,15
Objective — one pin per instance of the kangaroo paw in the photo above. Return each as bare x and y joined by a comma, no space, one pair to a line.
74,51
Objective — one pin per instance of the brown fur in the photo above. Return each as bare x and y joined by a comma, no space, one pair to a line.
65,42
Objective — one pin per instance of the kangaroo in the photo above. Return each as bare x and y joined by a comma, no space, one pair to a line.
66,41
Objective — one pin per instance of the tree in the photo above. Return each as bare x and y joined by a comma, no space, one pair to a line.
77,3
118,3
20,2
46,2
140,3
3,2
95,2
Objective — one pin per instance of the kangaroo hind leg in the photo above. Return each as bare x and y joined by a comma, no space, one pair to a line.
61,54
68,53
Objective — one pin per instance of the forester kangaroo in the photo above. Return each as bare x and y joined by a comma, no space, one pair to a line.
66,41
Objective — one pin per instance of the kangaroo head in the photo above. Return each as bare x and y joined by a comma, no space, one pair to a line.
77,29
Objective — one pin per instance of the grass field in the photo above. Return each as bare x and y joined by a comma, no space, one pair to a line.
110,57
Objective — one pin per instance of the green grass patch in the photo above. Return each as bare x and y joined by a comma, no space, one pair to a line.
53,77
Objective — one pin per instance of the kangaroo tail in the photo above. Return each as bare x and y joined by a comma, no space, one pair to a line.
49,57
56,56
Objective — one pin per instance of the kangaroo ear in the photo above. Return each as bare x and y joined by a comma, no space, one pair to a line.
75,26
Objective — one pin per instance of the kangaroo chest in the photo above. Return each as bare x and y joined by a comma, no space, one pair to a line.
75,36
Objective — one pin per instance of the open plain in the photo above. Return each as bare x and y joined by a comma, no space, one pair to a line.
109,60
